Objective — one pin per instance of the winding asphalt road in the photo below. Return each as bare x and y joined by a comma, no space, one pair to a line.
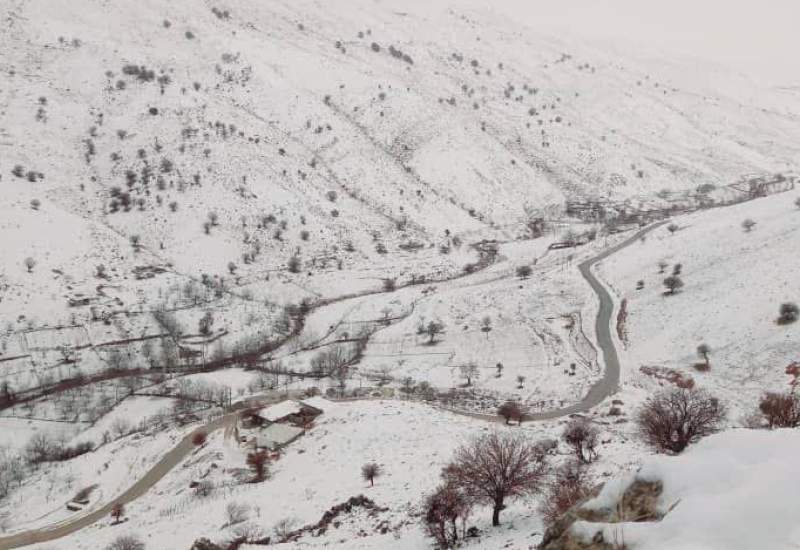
608,385
602,389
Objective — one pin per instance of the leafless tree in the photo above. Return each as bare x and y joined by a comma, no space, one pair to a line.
748,225
510,410
781,410
788,313
673,284
442,510
582,437
370,471
520,381
432,329
704,350
495,467
486,325
30,263
468,372
674,418
117,511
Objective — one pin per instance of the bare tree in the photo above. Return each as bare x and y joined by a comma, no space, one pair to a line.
370,471
672,419
30,263
442,510
672,228
495,467
781,410
662,266
568,486
520,381
431,330
117,511
673,284
748,225
704,350
524,271
788,313
582,437
486,325
468,372
206,323
510,410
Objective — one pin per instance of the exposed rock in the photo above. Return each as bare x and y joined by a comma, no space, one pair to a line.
639,502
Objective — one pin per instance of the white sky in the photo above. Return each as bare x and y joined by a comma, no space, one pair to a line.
758,37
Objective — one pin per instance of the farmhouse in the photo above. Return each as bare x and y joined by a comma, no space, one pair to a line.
286,412
277,425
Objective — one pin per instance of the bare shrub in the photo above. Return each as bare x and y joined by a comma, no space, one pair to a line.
284,528
126,542
781,410
524,271
495,467
582,437
259,463
674,418
199,438
236,512
569,485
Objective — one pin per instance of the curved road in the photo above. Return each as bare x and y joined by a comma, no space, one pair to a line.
603,388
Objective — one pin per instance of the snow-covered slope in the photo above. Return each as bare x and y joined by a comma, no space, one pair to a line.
733,491
431,121
734,283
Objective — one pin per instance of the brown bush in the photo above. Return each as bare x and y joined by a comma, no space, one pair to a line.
582,436
442,510
199,438
672,419
569,485
781,410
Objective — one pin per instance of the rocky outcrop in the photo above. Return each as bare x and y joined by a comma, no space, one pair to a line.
639,502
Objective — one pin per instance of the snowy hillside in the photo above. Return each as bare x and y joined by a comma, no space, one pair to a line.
735,281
